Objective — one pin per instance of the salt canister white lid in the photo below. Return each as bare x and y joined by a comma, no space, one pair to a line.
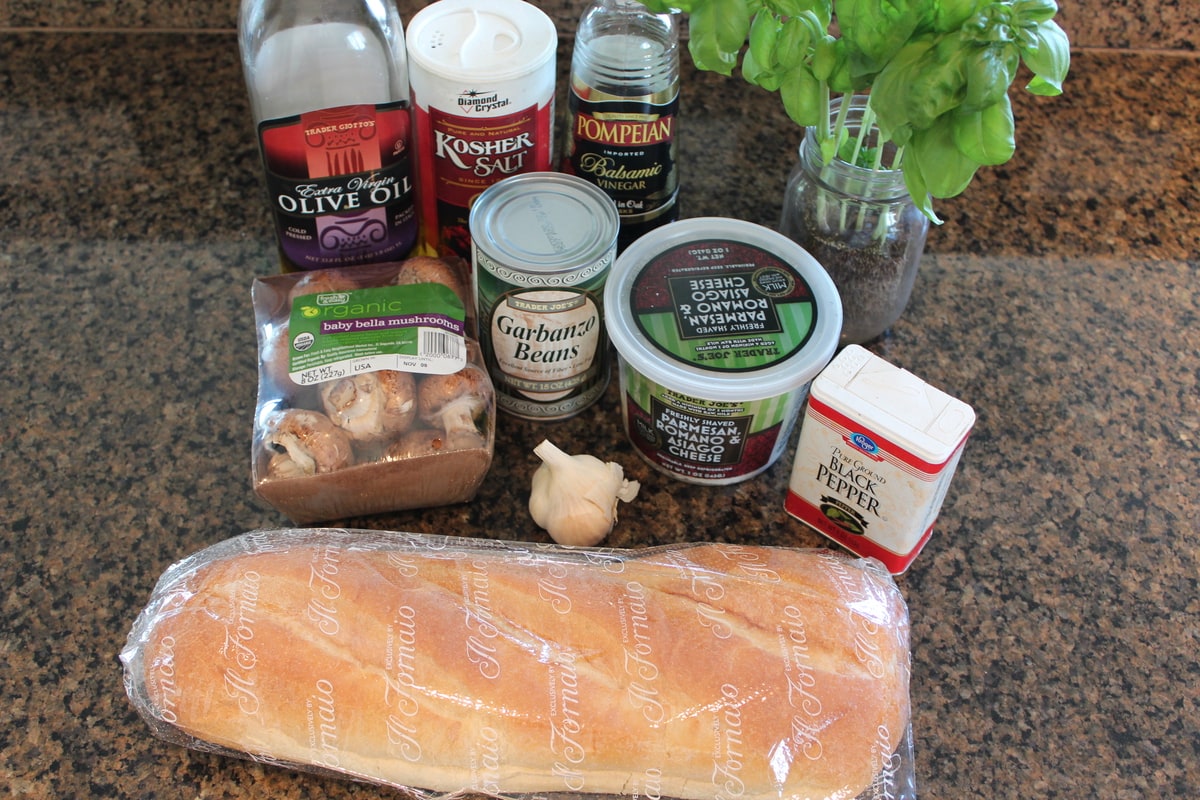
467,39
895,403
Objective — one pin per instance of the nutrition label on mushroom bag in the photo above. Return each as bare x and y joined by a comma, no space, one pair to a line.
415,328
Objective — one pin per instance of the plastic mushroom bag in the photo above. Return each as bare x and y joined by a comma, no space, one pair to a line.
448,666
372,396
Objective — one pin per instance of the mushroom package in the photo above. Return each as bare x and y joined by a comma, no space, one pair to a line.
371,394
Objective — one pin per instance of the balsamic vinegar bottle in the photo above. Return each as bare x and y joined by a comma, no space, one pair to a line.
329,91
622,107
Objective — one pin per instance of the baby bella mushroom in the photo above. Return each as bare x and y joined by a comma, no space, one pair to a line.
371,405
574,498
426,269
303,443
452,403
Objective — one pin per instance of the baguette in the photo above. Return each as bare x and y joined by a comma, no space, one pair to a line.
447,665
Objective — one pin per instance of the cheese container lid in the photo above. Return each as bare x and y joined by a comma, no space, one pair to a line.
897,404
722,309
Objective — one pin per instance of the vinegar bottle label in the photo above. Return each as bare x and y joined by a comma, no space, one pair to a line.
627,148
341,184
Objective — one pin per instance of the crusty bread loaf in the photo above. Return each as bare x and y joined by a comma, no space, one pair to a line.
443,664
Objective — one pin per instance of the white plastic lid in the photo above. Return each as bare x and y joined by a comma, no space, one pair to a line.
769,326
467,39
897,404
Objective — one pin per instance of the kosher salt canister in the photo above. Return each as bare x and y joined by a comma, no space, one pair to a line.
719,325
542,245
483,77
878,448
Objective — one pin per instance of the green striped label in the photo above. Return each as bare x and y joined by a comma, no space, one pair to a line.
723,306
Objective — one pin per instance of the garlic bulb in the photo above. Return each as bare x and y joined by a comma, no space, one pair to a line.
575,497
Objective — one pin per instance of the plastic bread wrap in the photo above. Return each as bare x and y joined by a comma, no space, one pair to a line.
449,666
372,395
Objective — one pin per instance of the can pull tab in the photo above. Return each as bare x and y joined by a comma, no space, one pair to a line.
490,41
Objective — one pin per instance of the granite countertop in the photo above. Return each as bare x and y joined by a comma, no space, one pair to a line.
1055,631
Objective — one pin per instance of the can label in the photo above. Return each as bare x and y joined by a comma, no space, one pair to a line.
545,346
870,495
341,184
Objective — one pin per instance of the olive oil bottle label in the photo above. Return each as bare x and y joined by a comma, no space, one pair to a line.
341,185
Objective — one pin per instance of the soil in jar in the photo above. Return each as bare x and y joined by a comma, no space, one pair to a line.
869,273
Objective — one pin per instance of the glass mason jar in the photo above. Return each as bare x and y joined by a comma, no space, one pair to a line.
861,225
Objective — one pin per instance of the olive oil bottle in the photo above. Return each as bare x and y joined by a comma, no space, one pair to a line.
329,90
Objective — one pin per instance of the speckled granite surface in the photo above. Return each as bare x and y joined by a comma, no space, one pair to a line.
1166,25
1055,611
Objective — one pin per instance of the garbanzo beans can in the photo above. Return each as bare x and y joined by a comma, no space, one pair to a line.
542,245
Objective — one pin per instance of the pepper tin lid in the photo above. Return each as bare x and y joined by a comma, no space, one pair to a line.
897,404
464,39
722,309
555,229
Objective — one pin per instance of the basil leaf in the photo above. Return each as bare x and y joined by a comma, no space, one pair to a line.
890,92
759,75
990,70
924,81
705,45
939,81
1049,59
793,45
661,7
1034,11
914,181
764,34
825,57
987,136
875,30
730,20
946,169
949,15
823,9
802,97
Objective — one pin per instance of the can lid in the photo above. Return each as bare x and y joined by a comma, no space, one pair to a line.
545,224
722,309
462,38
897,404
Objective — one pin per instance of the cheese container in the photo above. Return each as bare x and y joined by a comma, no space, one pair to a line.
719,327
878,448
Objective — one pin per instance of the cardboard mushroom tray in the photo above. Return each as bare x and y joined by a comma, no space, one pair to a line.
372,395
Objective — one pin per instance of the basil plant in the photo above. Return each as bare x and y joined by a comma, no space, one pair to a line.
937,73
